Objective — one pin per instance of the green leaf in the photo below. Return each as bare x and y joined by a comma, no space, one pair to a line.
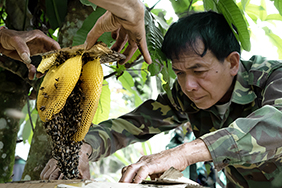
209,5
236,21
170,70
275,40
145,147
181,6
255,12
24,111
136,54
119,69
144,72
53,33
167,89
56,11
278,5
161,22
87,25
154,42
87,3
104,106
155,68
120,156
27,131
127,82
154,39
198,7
245,3
263,12
165,72
158,11
273,17
30,138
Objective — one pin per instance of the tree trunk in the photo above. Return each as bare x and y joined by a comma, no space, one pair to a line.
76,15
18,16
14,92
39,154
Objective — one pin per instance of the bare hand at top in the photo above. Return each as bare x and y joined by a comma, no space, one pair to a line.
125,19
20,45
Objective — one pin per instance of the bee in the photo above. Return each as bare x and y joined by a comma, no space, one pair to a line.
41,88
57,79
48,127
60,128
83,96
55,138
42,108
54,126
75,157
55,84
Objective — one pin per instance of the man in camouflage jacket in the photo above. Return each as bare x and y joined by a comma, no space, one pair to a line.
233,106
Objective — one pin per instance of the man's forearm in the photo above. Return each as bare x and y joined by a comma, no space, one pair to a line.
196,151
86,149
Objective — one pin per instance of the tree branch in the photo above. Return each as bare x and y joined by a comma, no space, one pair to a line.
16,67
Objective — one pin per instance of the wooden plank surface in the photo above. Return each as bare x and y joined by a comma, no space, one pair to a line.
87,184
131,185
42,184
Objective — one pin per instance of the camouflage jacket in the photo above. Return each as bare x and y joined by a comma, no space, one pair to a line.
247,142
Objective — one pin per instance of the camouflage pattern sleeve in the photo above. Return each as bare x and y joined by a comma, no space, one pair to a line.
150,118
257,137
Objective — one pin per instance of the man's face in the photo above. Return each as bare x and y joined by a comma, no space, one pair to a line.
204,80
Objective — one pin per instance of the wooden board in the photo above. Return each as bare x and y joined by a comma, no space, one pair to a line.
86,184
42,184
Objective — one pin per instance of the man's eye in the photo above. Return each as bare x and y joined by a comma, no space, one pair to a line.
198,72
178,73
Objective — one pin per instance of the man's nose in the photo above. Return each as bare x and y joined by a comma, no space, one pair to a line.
190,83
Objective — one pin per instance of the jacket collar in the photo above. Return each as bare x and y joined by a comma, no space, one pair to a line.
243,92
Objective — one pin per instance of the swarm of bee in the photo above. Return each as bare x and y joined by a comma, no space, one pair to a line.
68,98
61,130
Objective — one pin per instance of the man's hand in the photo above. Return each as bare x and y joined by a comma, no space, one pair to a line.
153,165
127,27
52,172
20,45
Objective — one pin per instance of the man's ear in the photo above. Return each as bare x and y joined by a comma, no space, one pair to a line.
234,59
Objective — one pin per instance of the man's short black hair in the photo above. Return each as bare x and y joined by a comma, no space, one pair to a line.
210,27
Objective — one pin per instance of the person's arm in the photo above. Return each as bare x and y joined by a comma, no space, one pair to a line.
179,157
20,45
255,138
125,19
149,119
